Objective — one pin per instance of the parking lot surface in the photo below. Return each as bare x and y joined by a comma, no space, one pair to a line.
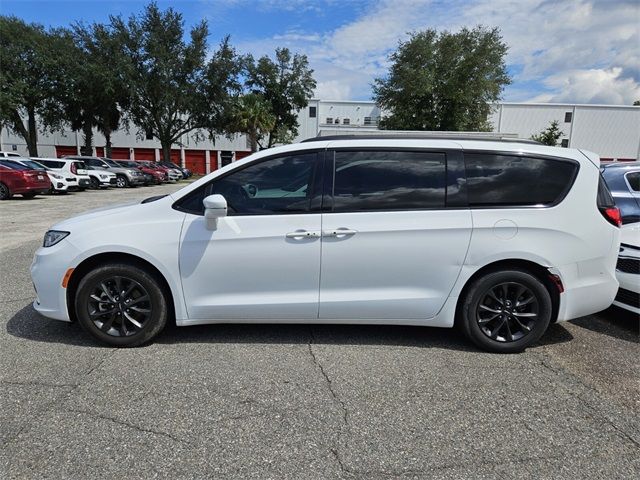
300,401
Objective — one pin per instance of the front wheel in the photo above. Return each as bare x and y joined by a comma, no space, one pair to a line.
121,305
122,181
506,311
95,184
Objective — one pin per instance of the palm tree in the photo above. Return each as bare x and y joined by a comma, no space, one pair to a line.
251,115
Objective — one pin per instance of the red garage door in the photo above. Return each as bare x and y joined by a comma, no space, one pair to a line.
99,151
241,154
213,160
120,153
145,154
195,161
61,151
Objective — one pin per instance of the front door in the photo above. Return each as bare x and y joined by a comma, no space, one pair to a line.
263,260
390,249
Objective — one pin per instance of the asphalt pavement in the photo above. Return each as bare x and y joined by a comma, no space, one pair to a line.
300,401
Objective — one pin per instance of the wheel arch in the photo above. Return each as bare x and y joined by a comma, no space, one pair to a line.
93,261
539,271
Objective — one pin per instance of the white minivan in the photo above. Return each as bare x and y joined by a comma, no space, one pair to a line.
500,238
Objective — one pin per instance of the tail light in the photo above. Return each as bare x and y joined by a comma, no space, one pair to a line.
607,205
74,168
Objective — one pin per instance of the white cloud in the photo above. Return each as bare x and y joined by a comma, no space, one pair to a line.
570,50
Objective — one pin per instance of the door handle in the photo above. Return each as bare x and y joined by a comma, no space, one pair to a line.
302,234
339,232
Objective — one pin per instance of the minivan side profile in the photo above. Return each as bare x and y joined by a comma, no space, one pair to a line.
500,238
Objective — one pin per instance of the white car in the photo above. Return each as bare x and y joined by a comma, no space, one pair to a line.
502,238
628,269
101,178
59,183
74,171
4,154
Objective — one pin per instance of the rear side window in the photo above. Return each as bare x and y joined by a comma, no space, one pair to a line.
13,165
388,180
495,180
605,199
52,163
633,179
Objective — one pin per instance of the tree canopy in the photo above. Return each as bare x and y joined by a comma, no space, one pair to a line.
443,81
550,135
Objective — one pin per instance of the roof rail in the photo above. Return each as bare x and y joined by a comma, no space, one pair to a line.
426,136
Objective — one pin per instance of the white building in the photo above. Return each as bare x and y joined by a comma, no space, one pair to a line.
611,131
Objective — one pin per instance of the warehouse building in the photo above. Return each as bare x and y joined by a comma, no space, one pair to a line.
611,131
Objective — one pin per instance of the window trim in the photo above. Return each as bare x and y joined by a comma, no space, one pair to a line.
329,180
316,170
558,200
626,181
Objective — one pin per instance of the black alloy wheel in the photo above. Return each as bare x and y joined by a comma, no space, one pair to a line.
5,193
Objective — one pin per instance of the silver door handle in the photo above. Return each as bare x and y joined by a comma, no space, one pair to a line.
339,232
302,234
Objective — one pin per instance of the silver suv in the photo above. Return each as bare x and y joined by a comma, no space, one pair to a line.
125,177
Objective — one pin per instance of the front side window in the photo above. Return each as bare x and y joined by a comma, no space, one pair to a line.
515,180
280,185
388,180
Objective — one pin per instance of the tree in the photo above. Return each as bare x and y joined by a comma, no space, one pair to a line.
253,117
443,81
636,103
550,135
286,85
169,79
99,84
31,84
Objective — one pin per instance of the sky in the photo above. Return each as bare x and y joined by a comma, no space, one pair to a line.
574,51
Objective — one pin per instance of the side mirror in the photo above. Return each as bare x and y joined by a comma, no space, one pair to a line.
215,207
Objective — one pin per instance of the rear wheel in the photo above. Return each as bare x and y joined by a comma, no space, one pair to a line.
506,311
121,305
5,193
122,181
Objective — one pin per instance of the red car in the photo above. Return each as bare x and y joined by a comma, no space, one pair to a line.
22,180
160,172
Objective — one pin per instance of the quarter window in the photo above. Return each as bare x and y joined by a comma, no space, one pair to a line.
388,180
509,180
633,179
275,186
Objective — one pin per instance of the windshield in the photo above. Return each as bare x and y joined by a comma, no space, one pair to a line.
34,165
110,162
128,164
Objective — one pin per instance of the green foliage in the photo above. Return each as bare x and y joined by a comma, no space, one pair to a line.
443,81
286,84
636,103
550,135
31,84
252,116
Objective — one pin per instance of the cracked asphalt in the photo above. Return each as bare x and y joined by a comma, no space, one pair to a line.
299,401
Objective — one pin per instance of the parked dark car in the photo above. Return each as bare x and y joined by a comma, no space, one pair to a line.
21,180
186,173
623,179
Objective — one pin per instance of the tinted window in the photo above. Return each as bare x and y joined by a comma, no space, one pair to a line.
13,165
275,186
52,163
387,180
33,165
634,181
506,180
605,199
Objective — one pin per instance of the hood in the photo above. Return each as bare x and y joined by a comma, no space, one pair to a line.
630,234
98,213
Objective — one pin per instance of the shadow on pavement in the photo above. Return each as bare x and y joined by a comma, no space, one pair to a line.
615,322
30,325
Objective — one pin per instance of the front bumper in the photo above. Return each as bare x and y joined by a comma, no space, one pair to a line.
47,271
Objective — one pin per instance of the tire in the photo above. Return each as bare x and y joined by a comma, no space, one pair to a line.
124,322
5,193
122,181
28,195
507,323
95,184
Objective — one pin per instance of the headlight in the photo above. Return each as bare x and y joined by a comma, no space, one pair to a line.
103,176
52,237
132,172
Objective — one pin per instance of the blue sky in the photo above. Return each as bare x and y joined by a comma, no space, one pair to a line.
585,51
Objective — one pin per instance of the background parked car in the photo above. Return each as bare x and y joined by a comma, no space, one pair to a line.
71,169
623,179
151,175
101,178
59,184
173,174
18,179
10,155
628,269
125,177
154,169
186,173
